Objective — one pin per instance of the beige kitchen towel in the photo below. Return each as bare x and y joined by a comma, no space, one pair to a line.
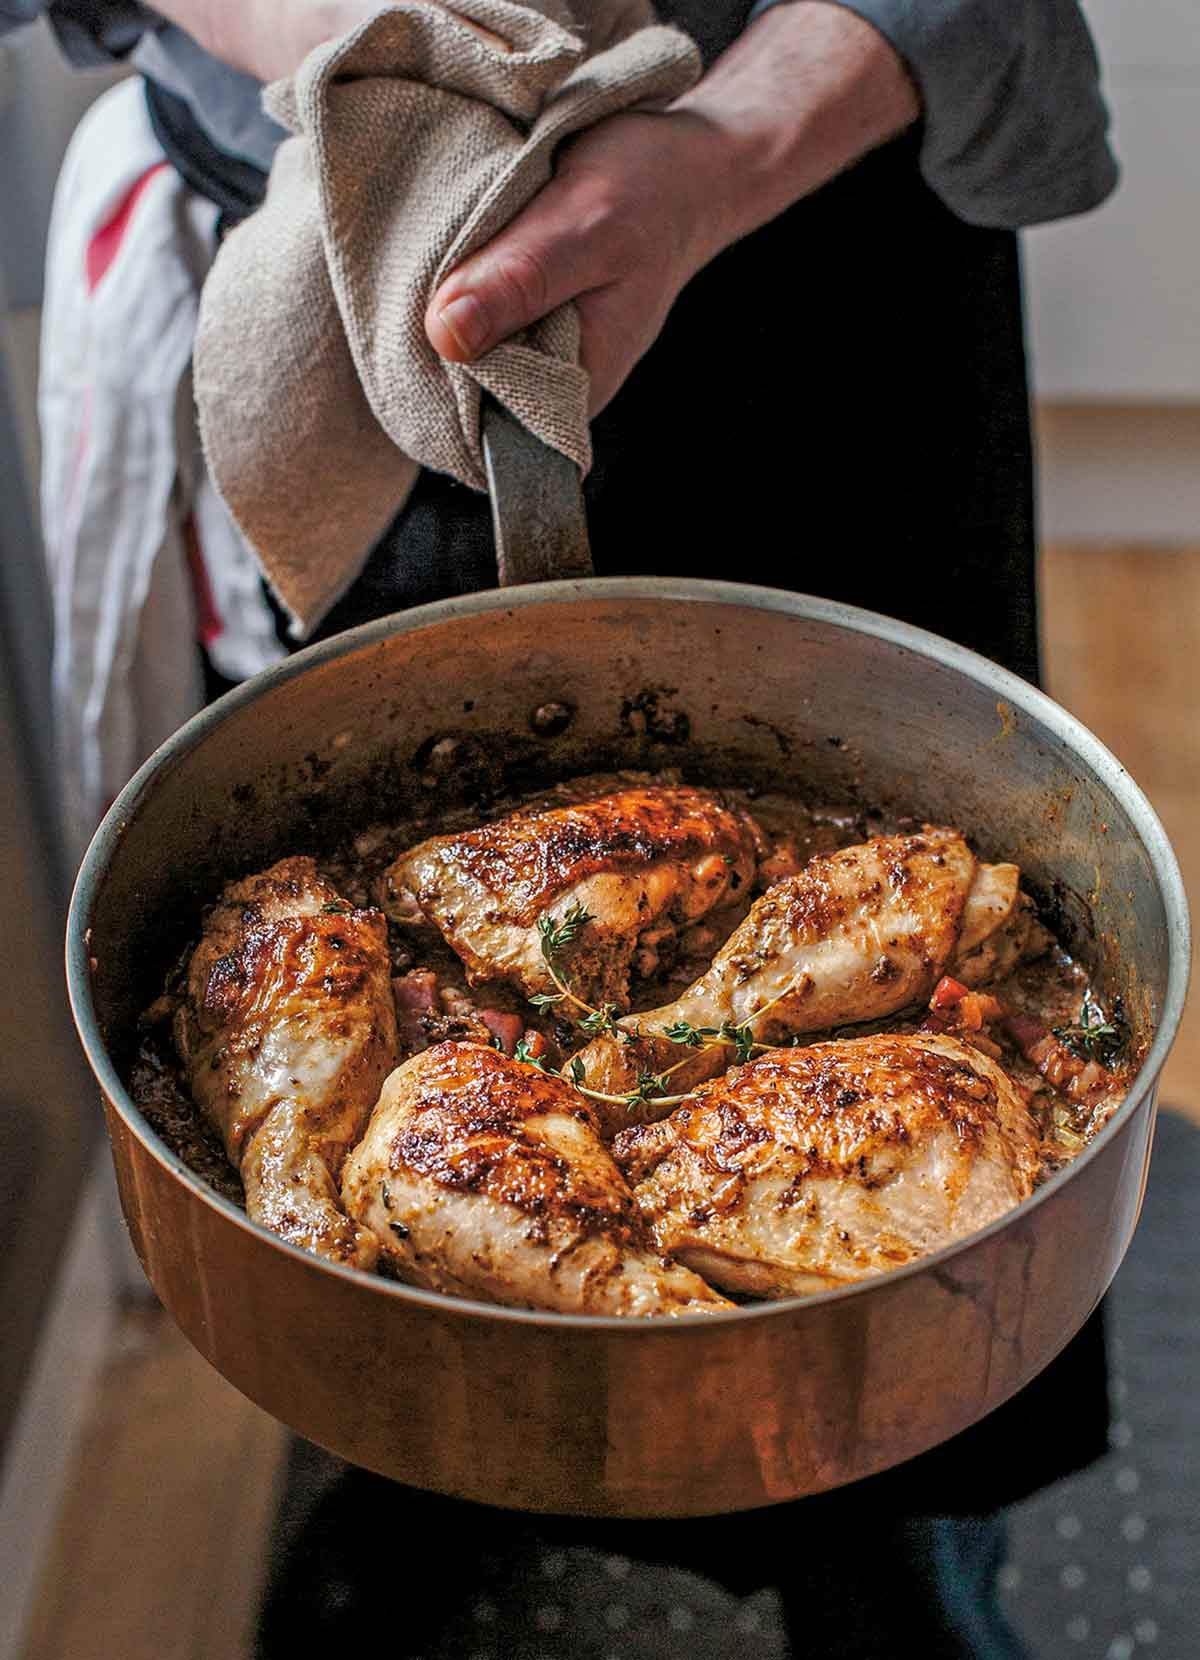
415,141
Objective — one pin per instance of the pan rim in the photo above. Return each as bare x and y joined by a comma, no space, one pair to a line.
920,642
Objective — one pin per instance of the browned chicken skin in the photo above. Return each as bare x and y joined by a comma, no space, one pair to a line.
855,936
286,1031
646,863
483,1176
810,1168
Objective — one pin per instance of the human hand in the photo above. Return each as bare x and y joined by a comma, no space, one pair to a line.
626,221
641,202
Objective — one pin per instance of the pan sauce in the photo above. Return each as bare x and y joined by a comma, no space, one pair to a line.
1053,989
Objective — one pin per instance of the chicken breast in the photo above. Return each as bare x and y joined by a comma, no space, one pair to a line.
485,1177
855,936
286,1031
811,1168
645,864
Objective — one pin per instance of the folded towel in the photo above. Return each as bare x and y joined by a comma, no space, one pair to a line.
416,141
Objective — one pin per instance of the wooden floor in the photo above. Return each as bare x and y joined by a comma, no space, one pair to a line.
1122,638
159,1551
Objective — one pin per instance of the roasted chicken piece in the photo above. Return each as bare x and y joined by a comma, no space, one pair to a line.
857,935
485,1177
287,1030
645,864
810,1168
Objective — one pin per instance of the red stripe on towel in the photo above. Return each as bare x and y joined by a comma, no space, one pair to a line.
208,618
106,242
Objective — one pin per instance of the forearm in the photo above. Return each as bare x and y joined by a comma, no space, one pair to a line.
1015,126
806,91
262,38
271,38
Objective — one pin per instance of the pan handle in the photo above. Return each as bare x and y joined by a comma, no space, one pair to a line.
537,503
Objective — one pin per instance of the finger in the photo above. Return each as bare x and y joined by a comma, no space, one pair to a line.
540,261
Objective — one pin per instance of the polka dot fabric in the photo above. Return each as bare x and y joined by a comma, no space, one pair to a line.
1101,1566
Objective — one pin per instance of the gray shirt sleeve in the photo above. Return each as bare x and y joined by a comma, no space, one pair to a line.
1015,130
87,31
227,105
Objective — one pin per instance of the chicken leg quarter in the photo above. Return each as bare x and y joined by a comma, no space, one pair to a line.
645,863
811,1168
854,936
485,1177
287,1030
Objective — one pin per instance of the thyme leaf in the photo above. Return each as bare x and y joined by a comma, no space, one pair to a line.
742,1038
598,1021
556,935
578,1074
521,1053
648,1088
695,1037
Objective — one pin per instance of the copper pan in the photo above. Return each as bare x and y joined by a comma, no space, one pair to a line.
600,1416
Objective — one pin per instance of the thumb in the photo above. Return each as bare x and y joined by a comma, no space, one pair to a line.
523,274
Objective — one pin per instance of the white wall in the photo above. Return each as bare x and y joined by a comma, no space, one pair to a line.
1115,296
1114,301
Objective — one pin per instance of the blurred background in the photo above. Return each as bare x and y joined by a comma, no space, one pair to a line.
121,1447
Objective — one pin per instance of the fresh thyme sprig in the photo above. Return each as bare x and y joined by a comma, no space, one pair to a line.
555,935
651,1086
1094,1038
694,1037
599,1022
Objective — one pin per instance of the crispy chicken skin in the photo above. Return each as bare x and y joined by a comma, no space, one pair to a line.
646,863
287,1030
811,1168
485,1177
855,936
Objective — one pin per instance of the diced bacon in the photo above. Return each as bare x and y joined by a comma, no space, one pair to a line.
947,993
507,1027
1027,1033
977,1009
953,1008
415,995
1062,1069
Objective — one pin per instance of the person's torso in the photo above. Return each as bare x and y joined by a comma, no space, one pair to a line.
210,121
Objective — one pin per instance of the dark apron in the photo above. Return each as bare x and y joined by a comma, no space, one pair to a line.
836,405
